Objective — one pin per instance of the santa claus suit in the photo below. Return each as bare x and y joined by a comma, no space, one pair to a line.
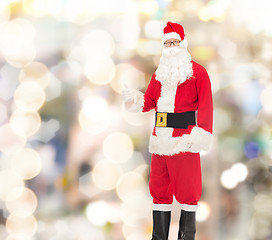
184,97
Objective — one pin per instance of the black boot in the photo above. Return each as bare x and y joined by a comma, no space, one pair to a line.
161,224
187,226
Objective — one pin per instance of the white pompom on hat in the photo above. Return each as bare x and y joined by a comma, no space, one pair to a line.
174,30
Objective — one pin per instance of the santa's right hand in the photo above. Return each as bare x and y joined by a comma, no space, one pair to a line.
128,94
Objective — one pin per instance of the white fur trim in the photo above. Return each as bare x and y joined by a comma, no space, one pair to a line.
168,145
167,36
184,43
137,103
166,102
165,144
189,208
162,207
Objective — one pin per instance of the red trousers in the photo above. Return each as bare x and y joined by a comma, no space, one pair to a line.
178,175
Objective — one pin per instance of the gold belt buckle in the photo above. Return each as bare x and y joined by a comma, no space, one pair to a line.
161,119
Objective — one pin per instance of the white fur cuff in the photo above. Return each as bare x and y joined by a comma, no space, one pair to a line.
162,207
137,103
188,208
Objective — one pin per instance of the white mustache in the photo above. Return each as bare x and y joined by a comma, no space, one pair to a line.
171,51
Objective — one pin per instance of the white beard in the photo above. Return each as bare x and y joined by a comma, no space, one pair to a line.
175,66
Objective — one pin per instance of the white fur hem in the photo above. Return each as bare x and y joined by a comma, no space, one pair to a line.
167,36
162,207
196,141
137,104
189,208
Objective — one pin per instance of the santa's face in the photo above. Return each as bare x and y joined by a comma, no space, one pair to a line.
175,63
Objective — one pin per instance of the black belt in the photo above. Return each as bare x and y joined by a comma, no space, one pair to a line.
175,120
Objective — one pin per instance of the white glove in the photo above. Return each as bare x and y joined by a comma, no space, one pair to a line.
194,148
199,139
129,95
134,99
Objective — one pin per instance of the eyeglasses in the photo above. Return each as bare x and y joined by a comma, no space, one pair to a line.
168,43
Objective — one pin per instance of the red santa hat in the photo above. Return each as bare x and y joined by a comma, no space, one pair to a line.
174,30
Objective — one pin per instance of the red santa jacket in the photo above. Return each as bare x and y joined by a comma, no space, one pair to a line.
192,95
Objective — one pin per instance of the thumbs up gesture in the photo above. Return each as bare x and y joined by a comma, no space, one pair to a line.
134,99
128,94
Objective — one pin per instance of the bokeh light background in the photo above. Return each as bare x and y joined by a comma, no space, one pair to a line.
74,164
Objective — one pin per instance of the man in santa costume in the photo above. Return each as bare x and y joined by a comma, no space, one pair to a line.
180,93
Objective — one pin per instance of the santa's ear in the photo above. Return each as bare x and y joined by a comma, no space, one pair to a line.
184,43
